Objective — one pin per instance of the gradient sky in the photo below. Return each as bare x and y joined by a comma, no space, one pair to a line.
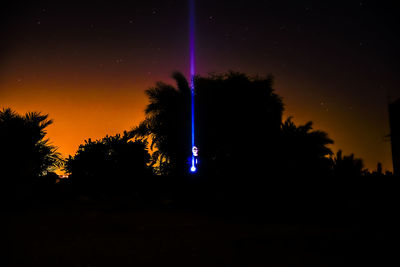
87,64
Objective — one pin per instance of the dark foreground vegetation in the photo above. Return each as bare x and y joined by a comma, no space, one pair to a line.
267,193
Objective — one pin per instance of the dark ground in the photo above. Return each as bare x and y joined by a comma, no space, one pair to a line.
85,232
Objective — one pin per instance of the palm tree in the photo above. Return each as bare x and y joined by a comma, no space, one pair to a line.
25,151
231,109
304,150
167,124
46,155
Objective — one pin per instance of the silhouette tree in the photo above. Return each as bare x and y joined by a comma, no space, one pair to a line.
239,121
239,130
25,153
379,168
347,165
167,125
231,110
305,151
113,162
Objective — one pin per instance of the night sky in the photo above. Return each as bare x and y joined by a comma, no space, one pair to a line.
87,64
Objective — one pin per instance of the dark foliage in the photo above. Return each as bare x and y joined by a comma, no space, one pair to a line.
347,165
239,130
238,124
112,163
24,150
167,125
306,152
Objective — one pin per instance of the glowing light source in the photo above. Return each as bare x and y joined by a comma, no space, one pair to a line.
193,168
192,73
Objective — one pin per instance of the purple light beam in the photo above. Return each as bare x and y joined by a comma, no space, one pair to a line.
192,73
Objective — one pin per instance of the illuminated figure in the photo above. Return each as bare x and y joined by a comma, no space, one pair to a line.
195,154
195,150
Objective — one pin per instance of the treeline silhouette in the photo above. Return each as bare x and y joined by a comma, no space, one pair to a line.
239,130
114,164
250,159
26,157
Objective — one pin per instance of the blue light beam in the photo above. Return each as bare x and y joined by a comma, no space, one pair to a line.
192,74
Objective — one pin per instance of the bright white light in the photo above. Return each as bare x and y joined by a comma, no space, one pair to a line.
193,169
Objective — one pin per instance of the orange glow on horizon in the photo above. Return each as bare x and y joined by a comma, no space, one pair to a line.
91,106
